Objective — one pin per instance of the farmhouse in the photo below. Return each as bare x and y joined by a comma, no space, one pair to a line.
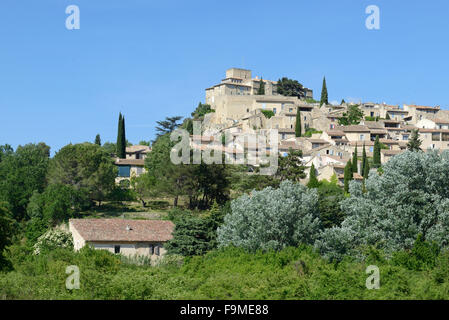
120,236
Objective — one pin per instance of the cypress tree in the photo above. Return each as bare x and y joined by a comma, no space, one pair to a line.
387,117
313,181
324,97
366,170
261,90
98,140
363,160
121,139
354,160
298,123
348,175
376,155
414,144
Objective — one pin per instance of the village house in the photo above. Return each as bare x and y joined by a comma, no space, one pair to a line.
133,165
120,236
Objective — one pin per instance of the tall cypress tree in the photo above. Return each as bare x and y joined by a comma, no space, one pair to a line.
98,140
363,160
376,155
261,90
366,170
354,160
298,123
121,139
348,175
313,180
324,97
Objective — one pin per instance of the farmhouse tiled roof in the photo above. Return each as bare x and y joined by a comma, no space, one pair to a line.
354,128
123,230
130,162
138,149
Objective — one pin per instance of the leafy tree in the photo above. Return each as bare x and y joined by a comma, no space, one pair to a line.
353,116
313,181
110,148
200,111
387,117
86,167
168,125
376,154
145,143
329,197
21,173
98,140
121,138
298,123
347,175
143,186
268,113
272,218
290,167
411,197
342,101
191,236
261,90
414,144
290,88
324,97
355,161
5,150
6,231
52,240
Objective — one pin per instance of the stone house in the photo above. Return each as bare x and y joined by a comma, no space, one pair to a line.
120,236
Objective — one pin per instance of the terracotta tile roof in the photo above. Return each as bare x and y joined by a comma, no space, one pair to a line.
391,152
354,128
130,162
425,107
320,141
138,148
373,124
335,133
442,121
116,230
360,143
378,131
388,141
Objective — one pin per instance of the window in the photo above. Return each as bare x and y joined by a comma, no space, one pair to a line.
290,110
371,149
445,136
151,249
305,118
116,249
435,136
362,137
156,250
274,110
264,105
124,171
283,136
405,137
139,171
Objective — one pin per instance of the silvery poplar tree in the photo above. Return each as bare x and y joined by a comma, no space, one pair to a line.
410,197
272,218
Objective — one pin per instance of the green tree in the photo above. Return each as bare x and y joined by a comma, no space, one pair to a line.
414,143
376,154
6,232
261,90
347,175
144,187
191,236
290,167
21,173
329,197
355,161
313,181
98,140
86,167
290,88
324,97
364,160
121,138
397,206
353,116
298,123
168,125
272,218
387,117
110,148
200,111
342,101
5,150
366,170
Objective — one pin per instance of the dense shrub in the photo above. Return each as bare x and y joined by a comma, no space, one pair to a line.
410,197
272,218
53,239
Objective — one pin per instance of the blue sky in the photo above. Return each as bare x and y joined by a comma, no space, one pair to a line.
152,59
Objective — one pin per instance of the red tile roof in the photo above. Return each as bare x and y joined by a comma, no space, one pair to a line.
116,230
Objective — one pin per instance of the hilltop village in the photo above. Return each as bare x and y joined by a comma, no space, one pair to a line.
329,134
